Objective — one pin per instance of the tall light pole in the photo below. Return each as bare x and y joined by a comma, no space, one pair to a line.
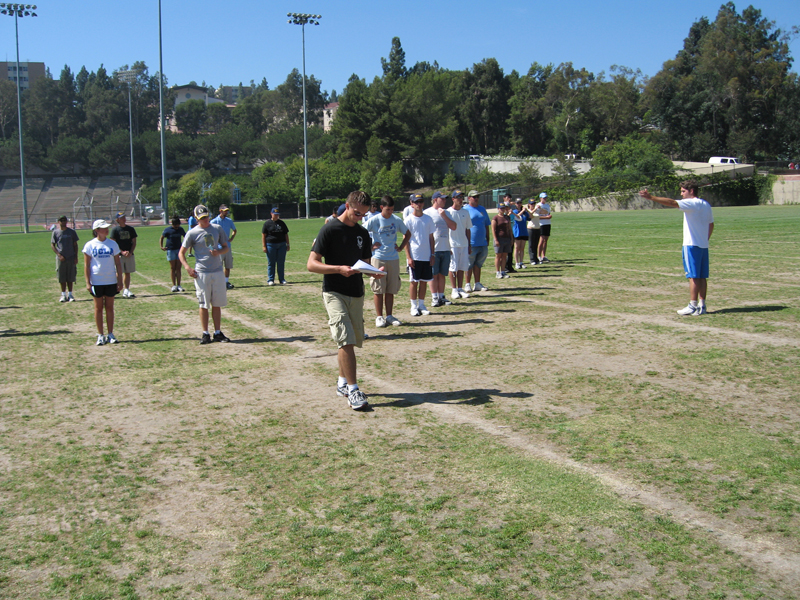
164,198
17,11
301,19
129,77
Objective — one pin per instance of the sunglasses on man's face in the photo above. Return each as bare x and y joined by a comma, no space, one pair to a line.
358,213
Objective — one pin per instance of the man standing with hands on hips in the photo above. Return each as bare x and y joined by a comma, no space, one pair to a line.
698,225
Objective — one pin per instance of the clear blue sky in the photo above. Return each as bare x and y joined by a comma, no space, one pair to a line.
230,41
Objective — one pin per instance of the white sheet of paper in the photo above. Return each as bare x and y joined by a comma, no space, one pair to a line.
364,267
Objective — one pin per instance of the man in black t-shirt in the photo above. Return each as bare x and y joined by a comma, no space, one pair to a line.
125,236
341,243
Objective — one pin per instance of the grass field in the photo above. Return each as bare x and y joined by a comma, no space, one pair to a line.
563,435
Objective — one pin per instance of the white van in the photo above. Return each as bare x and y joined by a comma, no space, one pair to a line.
723,160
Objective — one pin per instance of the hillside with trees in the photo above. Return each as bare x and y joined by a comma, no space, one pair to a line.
729,91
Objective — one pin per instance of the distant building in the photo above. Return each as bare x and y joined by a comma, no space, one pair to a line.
184,93
328,115
29,72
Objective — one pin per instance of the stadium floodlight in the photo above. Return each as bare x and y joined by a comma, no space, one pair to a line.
129,77
17,11
303,19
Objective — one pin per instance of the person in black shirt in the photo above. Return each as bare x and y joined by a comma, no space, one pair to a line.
174,236
275,243
125,236
341,243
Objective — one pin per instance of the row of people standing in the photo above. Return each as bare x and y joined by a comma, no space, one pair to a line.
529,224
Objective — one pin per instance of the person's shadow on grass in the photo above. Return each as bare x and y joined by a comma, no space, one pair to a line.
16,333
468,397
749,309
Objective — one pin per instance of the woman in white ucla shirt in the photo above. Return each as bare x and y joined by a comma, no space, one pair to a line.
103,271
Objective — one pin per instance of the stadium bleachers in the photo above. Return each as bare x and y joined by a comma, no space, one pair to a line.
50,197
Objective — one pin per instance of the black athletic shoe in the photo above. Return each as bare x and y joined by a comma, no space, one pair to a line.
229,285
206,339
220,337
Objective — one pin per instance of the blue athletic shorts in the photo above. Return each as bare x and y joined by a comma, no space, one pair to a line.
695,262
441,262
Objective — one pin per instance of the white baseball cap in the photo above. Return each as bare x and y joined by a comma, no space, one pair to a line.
101,224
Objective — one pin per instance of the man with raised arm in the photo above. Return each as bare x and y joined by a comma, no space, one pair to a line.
698,225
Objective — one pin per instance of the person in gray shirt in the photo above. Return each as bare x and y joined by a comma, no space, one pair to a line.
209,243
65,244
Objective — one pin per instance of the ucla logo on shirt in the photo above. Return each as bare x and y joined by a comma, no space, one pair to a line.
102,252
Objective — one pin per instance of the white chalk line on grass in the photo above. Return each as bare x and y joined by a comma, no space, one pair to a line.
765,555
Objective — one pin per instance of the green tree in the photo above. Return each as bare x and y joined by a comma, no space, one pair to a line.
483,108
394,68
722,92
629,163
8,108
190,117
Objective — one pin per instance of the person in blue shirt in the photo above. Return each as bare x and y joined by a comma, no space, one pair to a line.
224,221
479,241
519,226
384,228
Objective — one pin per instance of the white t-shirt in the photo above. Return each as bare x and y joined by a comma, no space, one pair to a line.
441,237
408,211
458,237
421,229
697,217
104,270
543,208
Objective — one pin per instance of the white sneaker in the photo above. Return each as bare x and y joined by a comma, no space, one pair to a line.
63,298
468,287
504,275
70,298
101,340
380,322
126,293
689,310
424,310
111,339
270,283
174,288
390,320
522,266
463,294
701,310
455,295
498,275
180,289
415,312
479,287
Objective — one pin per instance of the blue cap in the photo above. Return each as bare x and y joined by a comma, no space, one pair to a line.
438,195
413,198
341,210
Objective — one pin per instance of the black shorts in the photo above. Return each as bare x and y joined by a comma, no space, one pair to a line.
98,291
545,230
522,238
422,271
